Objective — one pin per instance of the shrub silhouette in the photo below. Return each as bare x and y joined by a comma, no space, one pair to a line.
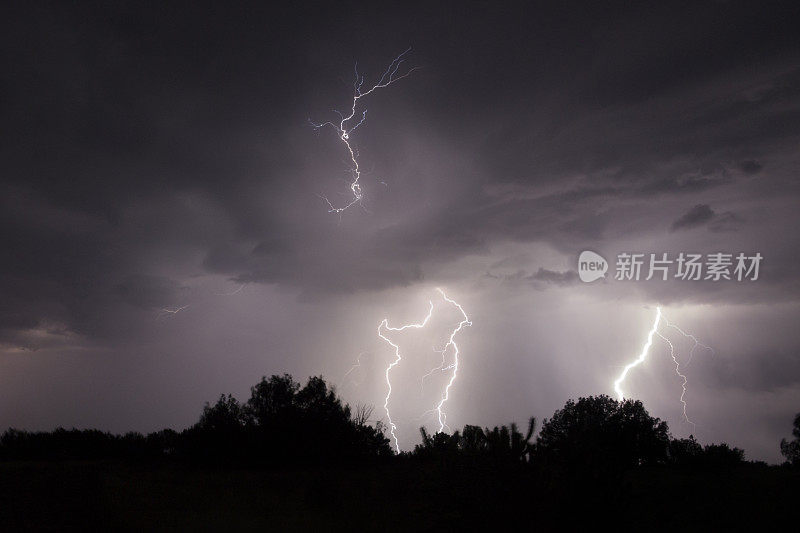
503,443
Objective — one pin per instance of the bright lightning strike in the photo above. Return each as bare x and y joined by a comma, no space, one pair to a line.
451,343
639,360
345,128
646,349
385,325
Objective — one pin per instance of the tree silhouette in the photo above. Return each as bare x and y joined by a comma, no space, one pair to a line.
361,415
439,445
791,449
283,422
722,455
599,434
272,397
309,423
685,452
226,416
508,442
503,443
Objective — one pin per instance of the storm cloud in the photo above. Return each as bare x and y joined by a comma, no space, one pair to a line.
696,216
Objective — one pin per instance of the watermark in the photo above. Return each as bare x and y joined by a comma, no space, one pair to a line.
591,266
684,266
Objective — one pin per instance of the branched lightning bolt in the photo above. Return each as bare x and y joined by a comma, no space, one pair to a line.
385,325
451,342
344,129
645,350
441,416
682,376
440,368
689,336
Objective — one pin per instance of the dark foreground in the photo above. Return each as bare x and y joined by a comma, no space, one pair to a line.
395,496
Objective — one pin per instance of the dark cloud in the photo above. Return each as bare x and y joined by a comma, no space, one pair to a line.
703,215
148,292
699,215
553,277
751,167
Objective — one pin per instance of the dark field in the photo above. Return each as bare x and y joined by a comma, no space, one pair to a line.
395,496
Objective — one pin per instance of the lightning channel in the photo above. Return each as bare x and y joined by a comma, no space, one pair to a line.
682,376
344,129
639,360
654,331
171,311
397,358
451,344
352,369
697,343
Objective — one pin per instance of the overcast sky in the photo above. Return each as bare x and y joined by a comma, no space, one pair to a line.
161,157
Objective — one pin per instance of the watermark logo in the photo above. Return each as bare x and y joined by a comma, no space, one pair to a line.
688,266
631,266
591,266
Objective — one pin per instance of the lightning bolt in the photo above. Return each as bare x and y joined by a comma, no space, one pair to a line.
451,343
646,349
169,311
235,291
682,376
696,344
344,128
356,365
397,358
639,360
440,368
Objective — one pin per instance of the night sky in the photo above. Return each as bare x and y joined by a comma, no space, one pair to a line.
159,156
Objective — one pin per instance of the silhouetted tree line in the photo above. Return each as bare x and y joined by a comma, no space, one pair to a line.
284,422
594,436
85,444
280,422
